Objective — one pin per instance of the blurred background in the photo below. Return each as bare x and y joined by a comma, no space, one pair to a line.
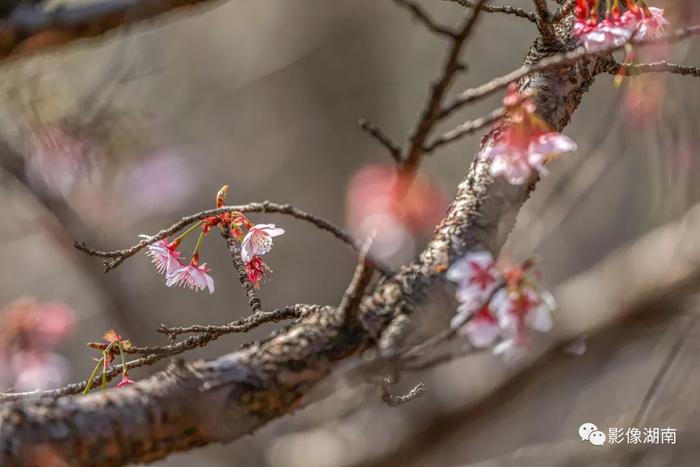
108,139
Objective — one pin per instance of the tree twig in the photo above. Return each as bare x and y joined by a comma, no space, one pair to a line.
377,133
424,18
510,10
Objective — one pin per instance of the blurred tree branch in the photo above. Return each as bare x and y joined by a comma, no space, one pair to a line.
195,404
30,27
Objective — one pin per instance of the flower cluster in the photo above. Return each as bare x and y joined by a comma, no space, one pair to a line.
498,303
639,21
526,144
29,332
114,346
255,241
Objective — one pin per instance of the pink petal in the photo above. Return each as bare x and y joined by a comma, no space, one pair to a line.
552,143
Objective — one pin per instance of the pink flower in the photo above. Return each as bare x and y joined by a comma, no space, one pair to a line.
394,207
257,270
482,329
125,381
36,370
54,321
474,275
522,309
164,255
607,33
516,163
647,23
192,276
258,240
526,144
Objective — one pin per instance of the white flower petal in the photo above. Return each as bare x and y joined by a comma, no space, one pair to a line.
459,271
481,333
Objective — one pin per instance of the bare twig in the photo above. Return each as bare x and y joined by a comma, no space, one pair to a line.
464,129
393,400
118,256
430,113
377,133
424,18
545,24
154,354
564,11
244,324
360,280
661,66
510,10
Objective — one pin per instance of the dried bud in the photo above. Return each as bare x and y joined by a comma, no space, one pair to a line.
221,196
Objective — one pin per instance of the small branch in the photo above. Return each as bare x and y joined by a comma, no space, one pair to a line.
564,11
553,61
545,24
510,10
464,129
154,354
653,67
244,324
118,256
360,280
430,113
395,400
376,132
420,15
234,248
22,31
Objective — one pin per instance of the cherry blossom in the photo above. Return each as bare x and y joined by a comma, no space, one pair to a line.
498,304
526,145
258,240
192,276
647,22
125,381
28,333
521,309
257,270
482,329
607,33
395,208
164,255
474,275
639,22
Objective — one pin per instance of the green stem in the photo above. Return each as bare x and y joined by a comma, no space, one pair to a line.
188,231
123,358
93,376
104,372
199,243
